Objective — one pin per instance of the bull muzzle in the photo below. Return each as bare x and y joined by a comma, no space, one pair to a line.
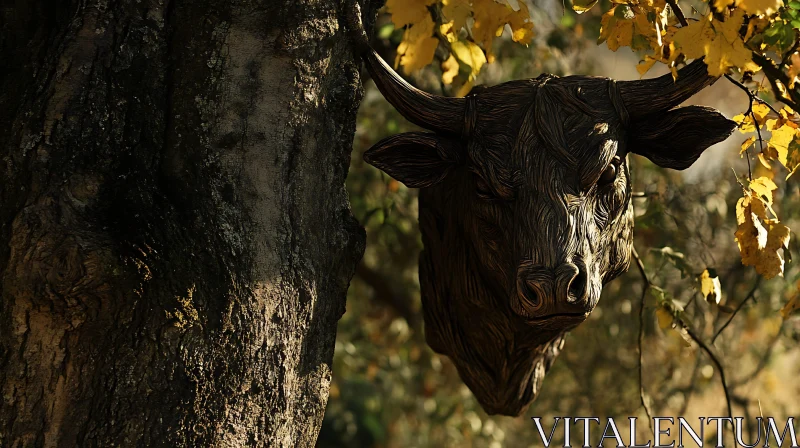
545,293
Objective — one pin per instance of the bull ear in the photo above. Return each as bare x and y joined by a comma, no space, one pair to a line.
676,138
417,159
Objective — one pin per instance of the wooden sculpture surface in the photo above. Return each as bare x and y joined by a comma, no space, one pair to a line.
525,207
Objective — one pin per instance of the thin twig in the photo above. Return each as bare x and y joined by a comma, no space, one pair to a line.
640,265
789,53
750,295
714,359
750,94
760,143
774,74
678,12
689,331
758,126
645,288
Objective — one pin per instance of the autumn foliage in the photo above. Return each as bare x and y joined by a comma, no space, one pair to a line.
753,43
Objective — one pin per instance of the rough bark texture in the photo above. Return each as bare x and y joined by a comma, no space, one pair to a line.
175,237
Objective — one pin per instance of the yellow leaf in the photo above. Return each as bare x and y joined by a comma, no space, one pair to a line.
665,318
794,69
728,49
418,46
646,65
759,7
464,89
792,305
449,70
719,42
470,54
747,144
760,111
745,123
635,27
692,39
418,54
759,238
710,286
581,6
756,25
768,261
764,162
489,18
408,12
448,32
521,25
780,141
763,187
785,119
457,11
614,31
674,72
750,239
522,35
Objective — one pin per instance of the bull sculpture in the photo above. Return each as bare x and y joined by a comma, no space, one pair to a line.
525,206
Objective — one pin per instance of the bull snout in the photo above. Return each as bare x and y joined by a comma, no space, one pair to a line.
544,292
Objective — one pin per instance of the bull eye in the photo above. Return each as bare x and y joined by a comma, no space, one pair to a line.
609,175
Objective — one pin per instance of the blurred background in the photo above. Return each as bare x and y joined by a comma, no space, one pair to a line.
390,390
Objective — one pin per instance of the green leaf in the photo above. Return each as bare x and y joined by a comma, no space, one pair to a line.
773,34
794,5
386,31
787,39
773,30
567,20
676,258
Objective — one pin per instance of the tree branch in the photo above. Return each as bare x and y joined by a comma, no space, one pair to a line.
751,95
678,12
775,74
789,53
750,295
714,359
645,288
689,331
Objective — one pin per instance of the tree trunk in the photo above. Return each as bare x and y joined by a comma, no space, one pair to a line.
175,237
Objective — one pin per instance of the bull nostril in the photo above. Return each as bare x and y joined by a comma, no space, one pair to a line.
577,287
534,286
571,280
534,293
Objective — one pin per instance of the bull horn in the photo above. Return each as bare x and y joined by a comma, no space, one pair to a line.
647,96
433,112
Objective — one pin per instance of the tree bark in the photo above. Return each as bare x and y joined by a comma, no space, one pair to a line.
175,237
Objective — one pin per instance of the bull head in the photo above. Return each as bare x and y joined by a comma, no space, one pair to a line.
525,207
